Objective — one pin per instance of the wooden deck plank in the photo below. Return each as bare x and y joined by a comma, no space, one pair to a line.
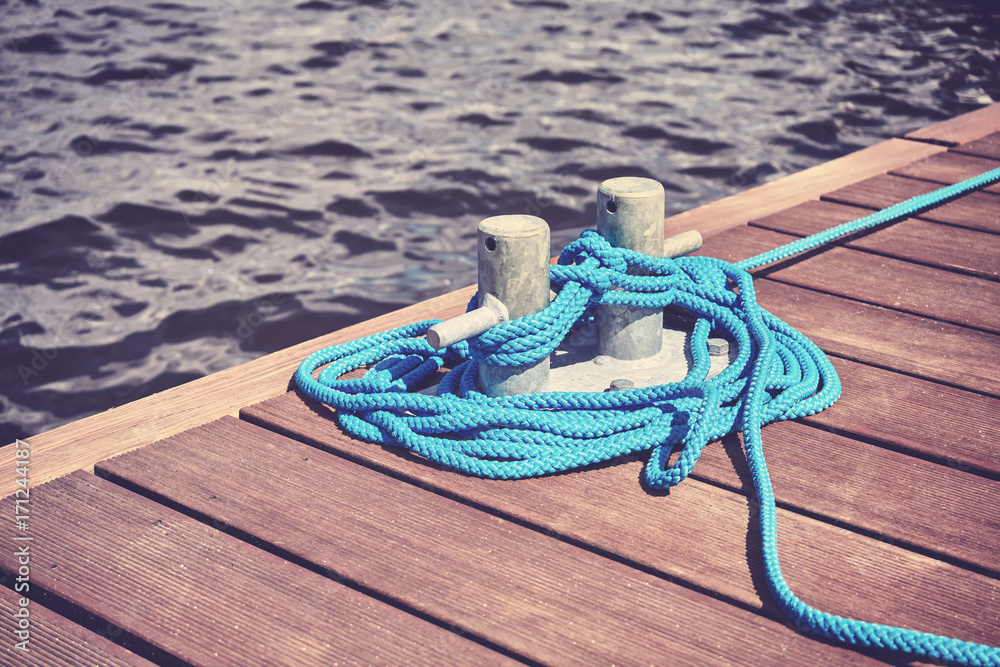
870,334
976,210
883,281
206,597
948,168
55,640
988,146
811,217
697,533
961,129
519,587
917,416
796,188
913,239
915,502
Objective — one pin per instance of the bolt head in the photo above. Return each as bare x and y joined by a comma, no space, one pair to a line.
621,385
718,347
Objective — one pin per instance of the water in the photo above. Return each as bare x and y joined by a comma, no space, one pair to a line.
186,187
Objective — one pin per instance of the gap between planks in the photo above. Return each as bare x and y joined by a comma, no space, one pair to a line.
57,640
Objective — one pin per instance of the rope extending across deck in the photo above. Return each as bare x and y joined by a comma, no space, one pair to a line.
778,374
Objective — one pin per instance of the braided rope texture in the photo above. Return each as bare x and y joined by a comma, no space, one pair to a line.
895,212
778,374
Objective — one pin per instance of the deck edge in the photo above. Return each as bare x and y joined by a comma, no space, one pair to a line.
961,129
800,187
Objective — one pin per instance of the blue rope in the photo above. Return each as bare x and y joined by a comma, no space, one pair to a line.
778,374
891,214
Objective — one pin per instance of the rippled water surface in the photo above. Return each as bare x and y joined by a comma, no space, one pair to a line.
188,186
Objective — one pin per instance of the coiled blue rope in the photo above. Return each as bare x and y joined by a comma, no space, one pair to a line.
778,374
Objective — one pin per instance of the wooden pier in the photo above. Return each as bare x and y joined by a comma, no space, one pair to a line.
230,521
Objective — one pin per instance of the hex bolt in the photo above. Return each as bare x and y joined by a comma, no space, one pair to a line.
718,347
630,214
514,268
620,385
